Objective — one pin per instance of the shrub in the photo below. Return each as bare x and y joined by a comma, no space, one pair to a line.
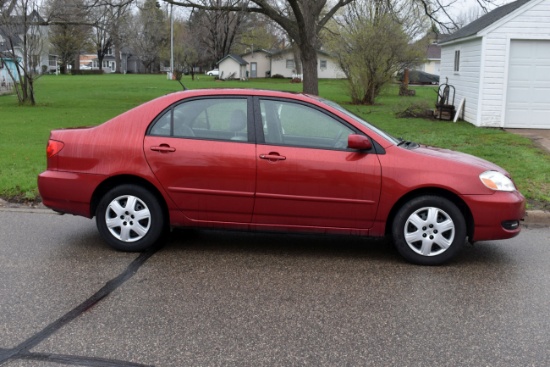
421,109
86,72
278,76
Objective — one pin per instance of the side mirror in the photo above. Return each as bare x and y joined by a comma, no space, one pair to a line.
359,142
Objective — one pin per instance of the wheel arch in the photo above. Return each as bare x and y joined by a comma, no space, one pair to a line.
433,191
115,181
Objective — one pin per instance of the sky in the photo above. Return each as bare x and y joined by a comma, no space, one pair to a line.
461,5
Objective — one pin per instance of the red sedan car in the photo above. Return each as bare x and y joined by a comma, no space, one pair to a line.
265,160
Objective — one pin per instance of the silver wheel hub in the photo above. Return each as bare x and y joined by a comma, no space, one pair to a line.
128,218
429,231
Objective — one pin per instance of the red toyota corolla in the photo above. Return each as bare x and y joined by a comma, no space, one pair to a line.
265,160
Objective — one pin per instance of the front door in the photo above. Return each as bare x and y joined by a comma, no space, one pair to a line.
253,70
203,154
306,175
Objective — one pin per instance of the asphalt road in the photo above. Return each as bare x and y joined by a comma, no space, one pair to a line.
213,298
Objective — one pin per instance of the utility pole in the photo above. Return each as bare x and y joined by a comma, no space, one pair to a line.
172,41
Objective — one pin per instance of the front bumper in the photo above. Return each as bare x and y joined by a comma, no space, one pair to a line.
494,215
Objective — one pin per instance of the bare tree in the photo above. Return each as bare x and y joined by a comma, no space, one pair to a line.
70,30
186,54
216,30
469,15
149,34
23,42
109,23
259,32
102,40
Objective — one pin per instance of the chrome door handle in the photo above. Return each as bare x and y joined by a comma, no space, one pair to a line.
163,149
272,157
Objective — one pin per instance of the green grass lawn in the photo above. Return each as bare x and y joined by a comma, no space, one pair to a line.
69,101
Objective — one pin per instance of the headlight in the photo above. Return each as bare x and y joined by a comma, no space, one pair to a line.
497,181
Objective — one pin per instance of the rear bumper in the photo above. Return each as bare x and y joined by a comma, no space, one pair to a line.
493,214
68,192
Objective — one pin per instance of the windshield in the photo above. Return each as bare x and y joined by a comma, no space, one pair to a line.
361,121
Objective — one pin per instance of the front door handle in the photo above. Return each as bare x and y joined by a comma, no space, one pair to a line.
272,157
163,148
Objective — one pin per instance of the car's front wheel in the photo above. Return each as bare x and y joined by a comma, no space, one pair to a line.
130,218
429,230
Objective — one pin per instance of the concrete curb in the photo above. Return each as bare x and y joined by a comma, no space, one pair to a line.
536,219
533,218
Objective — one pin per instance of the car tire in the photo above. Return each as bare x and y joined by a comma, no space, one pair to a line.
429,230
130,218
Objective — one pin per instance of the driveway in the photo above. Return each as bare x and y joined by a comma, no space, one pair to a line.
541,137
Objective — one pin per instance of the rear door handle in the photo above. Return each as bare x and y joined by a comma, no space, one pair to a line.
163,148
272,157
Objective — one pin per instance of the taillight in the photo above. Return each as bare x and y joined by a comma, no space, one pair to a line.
53,148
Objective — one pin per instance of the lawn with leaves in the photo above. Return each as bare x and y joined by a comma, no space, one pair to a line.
69,101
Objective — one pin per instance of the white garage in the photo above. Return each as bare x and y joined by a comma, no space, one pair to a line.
528,91
500,65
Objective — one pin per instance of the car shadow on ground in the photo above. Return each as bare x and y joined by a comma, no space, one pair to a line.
316,246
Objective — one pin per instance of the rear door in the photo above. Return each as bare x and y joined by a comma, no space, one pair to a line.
202,151
306,175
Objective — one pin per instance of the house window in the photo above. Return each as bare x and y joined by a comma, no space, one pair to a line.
323,64
457,61
52,60
289,64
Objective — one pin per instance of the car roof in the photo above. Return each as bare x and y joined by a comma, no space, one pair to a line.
242,92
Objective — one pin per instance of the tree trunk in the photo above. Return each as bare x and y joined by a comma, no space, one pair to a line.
118,58
309,68
31,92
100,57
296,54
76,63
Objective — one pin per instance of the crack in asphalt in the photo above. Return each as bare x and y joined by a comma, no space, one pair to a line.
22,351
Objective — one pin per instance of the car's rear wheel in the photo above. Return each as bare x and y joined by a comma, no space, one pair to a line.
130,218
429,230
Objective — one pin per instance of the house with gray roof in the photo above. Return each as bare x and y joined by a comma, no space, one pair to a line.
500,66
232,67
12,31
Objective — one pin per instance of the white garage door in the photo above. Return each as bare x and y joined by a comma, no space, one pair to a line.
528,95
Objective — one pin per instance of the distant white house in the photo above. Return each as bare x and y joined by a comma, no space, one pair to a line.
232,67
283,63
500,65
11,42
432,63
259,63
263,63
